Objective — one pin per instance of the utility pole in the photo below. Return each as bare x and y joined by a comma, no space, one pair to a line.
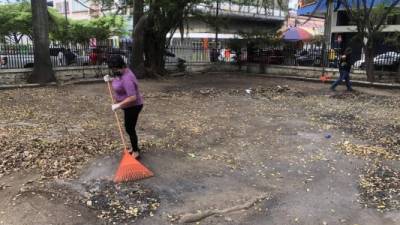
326,43
328,23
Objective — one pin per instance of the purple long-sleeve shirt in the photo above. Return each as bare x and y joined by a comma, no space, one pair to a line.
126,86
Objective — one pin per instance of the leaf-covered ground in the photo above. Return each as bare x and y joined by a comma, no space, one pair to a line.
274,132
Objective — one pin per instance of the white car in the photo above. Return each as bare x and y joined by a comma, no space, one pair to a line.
385,59
12,61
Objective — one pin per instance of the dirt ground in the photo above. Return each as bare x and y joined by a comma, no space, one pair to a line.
282,152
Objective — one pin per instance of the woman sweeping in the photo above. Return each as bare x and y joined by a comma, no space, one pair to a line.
127,96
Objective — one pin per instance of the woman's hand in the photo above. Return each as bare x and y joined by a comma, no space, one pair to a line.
126,102
115,107
107,78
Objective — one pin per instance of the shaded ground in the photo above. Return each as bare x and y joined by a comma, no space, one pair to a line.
321,157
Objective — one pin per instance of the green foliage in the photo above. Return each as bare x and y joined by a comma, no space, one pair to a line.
81,31
15,19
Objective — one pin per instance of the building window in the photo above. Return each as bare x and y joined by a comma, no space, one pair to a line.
80,6
60,7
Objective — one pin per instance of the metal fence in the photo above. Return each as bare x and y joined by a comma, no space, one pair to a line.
61,54
191,52
309,55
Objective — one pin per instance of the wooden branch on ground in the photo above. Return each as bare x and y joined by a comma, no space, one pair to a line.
195,217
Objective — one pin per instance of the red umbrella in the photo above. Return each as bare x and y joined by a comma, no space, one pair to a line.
297,34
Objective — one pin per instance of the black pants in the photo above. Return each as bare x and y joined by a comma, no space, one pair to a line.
131,116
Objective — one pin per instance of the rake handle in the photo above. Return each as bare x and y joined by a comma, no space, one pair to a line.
116,117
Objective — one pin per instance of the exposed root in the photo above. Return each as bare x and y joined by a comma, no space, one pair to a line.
195,217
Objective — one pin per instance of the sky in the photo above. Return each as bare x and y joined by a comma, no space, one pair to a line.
293,4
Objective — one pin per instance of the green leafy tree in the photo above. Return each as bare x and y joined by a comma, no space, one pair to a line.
81,31
151,29
16,21
152,25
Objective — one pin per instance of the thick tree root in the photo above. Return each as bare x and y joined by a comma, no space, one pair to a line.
195,217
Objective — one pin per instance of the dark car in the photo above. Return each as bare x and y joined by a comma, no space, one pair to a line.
309,57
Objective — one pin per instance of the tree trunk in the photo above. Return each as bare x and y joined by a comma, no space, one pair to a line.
155,51
369,64
42,70
138,11
137,62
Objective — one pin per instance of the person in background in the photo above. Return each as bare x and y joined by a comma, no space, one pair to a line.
93,57
332,57
70,57
344,70
60,57
127,96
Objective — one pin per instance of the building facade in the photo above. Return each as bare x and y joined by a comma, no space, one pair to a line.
341,30
314,25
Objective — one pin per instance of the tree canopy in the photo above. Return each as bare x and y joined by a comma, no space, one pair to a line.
100,28
16,21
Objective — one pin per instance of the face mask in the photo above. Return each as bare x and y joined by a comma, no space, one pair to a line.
117,73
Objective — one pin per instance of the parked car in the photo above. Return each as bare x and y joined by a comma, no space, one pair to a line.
172,58
269,56
387,60
310,57
11,61
59,56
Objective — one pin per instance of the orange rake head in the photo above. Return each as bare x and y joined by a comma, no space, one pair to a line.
130,169
324,78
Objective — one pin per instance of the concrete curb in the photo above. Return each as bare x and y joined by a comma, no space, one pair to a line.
16,86
86,81
99,80
80,81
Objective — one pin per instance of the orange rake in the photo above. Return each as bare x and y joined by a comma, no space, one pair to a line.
324,78
129,168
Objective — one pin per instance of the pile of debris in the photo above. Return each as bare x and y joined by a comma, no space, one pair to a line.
118,203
